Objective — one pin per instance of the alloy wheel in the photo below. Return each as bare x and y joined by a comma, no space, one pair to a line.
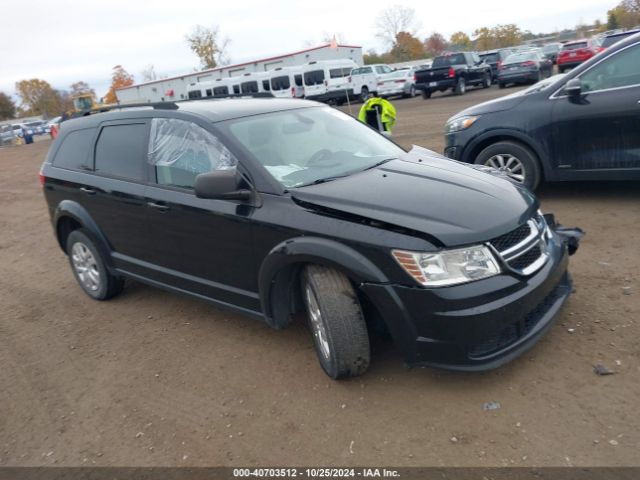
86,266
509,164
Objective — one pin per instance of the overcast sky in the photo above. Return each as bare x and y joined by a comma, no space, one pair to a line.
63,41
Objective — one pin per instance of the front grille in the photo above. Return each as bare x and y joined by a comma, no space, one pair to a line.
526,259
523,249
512,238
515,331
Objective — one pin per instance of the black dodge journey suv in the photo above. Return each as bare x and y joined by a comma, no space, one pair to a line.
273,207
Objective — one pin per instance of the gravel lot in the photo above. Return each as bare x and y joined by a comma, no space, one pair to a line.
152,378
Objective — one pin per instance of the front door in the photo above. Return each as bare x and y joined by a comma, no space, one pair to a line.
600,130
200,245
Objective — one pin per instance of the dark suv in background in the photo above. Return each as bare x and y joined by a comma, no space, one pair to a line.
584,125
273,207
495,59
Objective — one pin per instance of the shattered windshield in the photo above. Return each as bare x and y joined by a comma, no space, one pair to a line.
311,145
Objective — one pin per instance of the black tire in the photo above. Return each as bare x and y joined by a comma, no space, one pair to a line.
539,77
530,163
342,346
560,70
108,285
412,91
501,85
364,94
461,86
426,94
486,82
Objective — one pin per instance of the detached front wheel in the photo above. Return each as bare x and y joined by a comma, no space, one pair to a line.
336,322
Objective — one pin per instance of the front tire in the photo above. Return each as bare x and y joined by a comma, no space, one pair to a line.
461,86
518,162
486,83
89,267
336,322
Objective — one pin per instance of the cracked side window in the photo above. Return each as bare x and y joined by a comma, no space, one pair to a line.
181,150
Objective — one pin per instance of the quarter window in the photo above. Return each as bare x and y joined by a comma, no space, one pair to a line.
265,85
195,94
221,91
620,70
74,151
182,150
120,151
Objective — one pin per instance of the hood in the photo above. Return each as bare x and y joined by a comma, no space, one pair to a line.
493,106
444,200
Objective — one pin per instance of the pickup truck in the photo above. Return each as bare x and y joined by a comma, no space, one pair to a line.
453,71
365,80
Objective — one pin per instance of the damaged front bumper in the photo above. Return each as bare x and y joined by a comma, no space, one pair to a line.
479,325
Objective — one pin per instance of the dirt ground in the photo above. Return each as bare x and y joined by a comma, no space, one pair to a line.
151,378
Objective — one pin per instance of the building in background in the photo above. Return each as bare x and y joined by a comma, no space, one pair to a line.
175,88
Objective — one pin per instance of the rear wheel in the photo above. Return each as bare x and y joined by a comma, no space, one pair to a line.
561,69
513,159
426,94
364,94
501,85
461,86
336,322
89,267
412,91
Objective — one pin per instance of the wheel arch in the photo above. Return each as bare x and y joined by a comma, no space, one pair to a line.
70,216
278,278
483,141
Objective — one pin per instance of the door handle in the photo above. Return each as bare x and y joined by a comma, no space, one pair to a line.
88,190
158,206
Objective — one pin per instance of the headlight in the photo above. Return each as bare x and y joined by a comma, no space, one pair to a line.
460,123
449,267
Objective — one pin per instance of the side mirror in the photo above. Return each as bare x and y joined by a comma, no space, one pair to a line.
221,184
573,88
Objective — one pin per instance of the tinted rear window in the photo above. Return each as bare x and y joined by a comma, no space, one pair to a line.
574,46
280,83
121,150
490,57
74,151
316,77
249,87
448,60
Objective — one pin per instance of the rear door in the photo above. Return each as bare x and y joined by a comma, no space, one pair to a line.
199,245
115,195
601,130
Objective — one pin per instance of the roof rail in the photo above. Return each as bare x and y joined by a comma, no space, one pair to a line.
107,108
232,95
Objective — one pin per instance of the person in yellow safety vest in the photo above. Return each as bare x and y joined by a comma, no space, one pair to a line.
379,114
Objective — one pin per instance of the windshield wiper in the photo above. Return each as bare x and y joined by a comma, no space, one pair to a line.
379,163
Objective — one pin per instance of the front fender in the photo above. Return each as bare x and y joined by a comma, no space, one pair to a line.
279,267
516,135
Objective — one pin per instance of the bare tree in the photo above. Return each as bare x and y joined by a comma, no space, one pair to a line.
208,46
148,73
393,20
